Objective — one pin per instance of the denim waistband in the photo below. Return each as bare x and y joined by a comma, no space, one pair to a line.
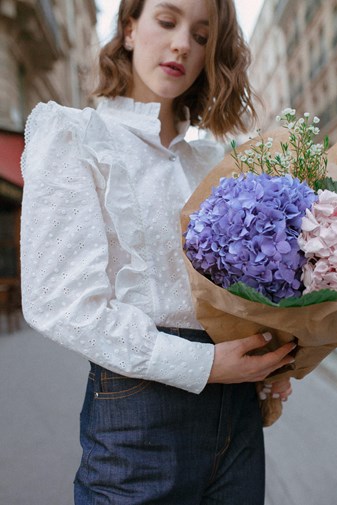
187,333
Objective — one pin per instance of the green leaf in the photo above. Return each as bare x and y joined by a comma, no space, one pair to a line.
324,295
248,293
326,183
244,291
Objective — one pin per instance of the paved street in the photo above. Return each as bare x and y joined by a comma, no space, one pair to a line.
301,448
42,386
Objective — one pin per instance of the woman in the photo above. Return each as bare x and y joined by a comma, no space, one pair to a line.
168,417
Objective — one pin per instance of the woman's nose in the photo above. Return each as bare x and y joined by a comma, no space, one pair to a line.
181,42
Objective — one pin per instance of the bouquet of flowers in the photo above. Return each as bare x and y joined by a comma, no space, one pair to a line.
261,245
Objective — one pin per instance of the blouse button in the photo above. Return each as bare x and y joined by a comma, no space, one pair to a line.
173,157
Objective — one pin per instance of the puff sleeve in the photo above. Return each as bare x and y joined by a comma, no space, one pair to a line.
66,292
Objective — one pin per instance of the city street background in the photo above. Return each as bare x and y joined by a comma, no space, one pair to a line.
47,52
42,388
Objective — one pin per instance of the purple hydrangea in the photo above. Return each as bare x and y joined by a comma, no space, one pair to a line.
247,231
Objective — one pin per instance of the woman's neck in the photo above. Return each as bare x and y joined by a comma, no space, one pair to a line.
168,129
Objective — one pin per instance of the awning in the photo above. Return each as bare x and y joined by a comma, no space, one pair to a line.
11,147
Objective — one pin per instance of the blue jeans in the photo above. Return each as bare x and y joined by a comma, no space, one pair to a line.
145,443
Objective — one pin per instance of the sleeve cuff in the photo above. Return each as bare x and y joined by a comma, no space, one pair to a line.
180,363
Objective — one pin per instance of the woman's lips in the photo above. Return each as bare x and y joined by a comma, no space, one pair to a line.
174,69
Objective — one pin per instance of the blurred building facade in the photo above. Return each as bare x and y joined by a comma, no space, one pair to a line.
294,47
47,52
294,50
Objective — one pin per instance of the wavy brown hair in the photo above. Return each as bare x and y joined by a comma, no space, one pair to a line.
221,98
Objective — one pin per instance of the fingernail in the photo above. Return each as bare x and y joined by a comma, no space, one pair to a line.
266,390
269,386
291,361
275,396
267,336
262,396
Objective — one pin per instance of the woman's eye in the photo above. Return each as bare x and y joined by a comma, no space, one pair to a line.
200,39
166,24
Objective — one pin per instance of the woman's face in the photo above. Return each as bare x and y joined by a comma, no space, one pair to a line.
168,42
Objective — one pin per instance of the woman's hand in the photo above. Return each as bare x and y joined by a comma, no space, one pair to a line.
278,389
233,363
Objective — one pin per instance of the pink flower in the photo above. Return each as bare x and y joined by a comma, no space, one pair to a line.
318,241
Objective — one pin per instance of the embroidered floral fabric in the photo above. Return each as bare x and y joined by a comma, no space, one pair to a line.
101,255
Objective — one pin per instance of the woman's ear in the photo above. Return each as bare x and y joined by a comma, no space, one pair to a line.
129,34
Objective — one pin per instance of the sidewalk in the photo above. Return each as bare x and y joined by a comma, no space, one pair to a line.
301,447
42,387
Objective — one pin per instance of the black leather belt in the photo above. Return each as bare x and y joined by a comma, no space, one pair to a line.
188,333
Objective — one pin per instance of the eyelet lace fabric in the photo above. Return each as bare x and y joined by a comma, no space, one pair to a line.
101,242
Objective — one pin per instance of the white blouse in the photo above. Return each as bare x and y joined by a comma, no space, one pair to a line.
102,262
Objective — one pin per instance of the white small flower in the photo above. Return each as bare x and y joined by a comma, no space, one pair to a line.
278,118
258,144
306,114
316,131
291,126
269,145
316,120
249,152
301,120
270,139
316,149
243,158
287,111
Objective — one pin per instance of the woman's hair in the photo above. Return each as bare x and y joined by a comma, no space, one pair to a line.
221,97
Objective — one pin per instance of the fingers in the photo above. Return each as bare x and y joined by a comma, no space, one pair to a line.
261,367
259,340
279,358
234,362
280,386
255,342
280,389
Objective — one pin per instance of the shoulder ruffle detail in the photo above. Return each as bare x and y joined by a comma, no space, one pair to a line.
51,119
51,122
44,113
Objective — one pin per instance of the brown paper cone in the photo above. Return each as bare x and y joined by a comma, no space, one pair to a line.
227,317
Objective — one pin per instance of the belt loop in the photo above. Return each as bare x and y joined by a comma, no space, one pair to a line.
96,371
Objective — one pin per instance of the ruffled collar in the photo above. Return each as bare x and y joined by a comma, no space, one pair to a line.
143,117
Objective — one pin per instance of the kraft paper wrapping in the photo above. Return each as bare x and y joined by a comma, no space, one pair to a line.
227,317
